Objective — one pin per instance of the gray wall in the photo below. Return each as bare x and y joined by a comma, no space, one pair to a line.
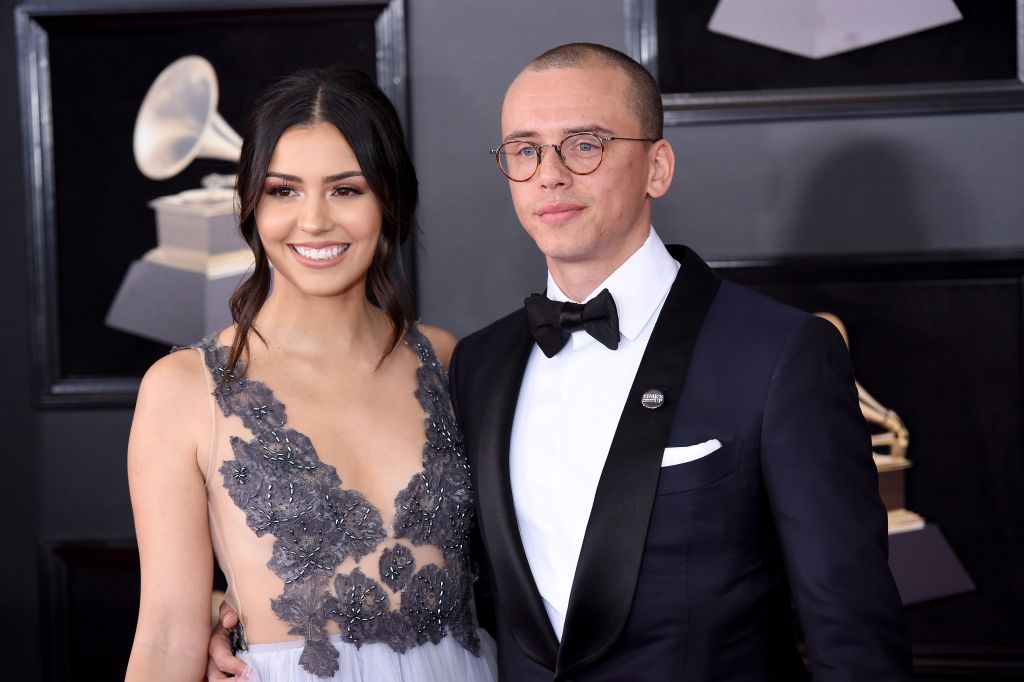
741,190
925,183
901,184
476,263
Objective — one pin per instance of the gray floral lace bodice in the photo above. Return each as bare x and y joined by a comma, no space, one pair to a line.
277,479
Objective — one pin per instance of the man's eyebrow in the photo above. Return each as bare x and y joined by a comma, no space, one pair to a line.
519,134
586,128
330,178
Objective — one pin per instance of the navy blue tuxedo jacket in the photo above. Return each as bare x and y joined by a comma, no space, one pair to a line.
691,572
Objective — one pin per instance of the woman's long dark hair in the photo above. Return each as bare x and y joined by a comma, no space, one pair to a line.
351,102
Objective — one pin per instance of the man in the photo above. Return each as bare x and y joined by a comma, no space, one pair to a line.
663,471
651,509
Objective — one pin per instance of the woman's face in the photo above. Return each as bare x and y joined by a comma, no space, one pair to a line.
317,218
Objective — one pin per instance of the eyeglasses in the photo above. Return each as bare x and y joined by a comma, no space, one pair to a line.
581,153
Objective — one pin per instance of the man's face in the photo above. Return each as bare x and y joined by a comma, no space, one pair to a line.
602,217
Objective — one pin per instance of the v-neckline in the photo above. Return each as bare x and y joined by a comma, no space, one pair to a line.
416,342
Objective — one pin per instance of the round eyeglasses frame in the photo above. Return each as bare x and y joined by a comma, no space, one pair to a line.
558,150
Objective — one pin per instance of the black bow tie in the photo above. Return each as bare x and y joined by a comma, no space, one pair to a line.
553,322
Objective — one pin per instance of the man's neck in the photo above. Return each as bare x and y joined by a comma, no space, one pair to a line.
577,284
579,279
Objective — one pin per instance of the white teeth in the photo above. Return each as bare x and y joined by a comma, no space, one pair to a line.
326,253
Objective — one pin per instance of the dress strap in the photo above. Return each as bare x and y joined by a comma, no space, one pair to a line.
202,348
421,345
207,349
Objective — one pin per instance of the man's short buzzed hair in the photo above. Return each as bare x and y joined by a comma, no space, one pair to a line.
644,96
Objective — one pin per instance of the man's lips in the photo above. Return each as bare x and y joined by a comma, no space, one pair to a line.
559,213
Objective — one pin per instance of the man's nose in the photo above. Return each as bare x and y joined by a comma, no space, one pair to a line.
552,172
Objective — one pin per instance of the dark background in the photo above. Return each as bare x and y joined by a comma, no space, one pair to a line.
942,341
939,343
981,46
100,69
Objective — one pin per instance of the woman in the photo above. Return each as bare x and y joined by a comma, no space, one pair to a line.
312,443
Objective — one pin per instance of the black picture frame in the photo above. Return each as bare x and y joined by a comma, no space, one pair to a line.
84,66
748,82
79,578
939,339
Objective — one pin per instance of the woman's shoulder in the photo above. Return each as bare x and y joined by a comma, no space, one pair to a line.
181,362
177,376
182,377
442,340
172,410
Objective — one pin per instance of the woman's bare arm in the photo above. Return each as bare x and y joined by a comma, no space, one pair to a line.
168,497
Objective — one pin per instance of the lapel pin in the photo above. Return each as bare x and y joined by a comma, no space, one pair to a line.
652,399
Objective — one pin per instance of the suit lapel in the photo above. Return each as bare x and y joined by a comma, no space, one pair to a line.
519,599
613,546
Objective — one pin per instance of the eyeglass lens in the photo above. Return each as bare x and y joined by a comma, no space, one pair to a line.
581,154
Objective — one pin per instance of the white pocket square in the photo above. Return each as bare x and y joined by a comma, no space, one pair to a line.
689,453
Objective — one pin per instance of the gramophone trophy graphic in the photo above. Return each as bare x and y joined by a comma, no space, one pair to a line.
178,292
921,559
817,29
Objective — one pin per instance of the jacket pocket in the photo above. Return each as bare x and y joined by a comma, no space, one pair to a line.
720,464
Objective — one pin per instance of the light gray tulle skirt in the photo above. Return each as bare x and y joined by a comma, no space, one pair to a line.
446,661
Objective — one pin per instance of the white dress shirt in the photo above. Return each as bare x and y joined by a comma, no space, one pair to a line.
568,409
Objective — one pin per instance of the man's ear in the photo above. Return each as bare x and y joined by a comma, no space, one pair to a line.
663,164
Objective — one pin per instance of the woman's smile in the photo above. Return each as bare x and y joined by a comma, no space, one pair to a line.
319,255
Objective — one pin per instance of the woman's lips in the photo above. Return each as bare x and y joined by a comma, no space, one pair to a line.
319,255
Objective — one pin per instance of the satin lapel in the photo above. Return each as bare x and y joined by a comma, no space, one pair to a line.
518,599
613,546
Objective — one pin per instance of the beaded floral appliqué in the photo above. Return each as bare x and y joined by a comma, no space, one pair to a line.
278,480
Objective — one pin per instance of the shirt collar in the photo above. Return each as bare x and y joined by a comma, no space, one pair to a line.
638,286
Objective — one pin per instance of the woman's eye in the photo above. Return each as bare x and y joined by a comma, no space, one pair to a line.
346,191
281,191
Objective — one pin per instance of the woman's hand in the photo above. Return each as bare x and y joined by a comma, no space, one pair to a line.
222,664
